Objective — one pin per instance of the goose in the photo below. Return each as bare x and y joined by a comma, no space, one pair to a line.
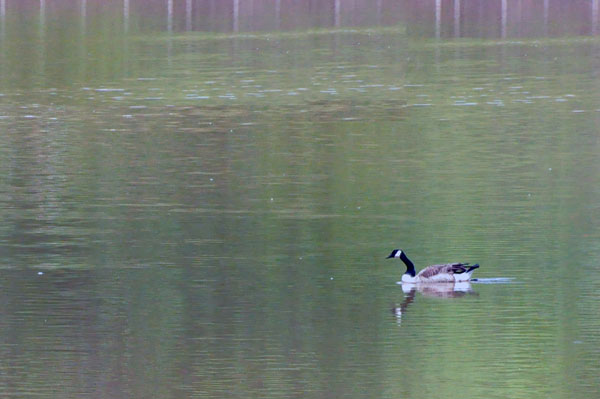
446,273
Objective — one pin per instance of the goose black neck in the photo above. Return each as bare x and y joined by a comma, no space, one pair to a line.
410,267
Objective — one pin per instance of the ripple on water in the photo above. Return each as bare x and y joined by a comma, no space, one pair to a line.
494,280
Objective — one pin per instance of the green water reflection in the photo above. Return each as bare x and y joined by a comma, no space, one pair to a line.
208,215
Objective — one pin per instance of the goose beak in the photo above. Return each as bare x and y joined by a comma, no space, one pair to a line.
389,257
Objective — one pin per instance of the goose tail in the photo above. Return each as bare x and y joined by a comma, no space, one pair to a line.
475,266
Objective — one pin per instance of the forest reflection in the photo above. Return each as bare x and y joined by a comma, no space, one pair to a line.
433,18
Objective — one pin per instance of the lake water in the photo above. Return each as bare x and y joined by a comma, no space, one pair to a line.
197,199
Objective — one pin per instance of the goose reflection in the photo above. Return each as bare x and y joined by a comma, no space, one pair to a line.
439,290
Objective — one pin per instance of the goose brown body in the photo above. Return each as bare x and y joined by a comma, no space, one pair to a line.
443,273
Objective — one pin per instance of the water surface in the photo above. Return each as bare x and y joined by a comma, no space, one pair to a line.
205,212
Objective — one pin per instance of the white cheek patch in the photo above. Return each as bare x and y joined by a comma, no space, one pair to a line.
398,254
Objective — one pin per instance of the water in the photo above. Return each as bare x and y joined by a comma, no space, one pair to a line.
207,214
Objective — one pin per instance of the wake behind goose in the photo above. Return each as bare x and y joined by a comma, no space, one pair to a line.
494,280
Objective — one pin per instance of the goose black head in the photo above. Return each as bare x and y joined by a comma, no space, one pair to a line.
410,267
396,253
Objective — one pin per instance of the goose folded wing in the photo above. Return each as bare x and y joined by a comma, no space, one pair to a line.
458,268
434,270
447,268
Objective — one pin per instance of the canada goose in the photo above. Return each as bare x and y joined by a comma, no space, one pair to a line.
449,272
